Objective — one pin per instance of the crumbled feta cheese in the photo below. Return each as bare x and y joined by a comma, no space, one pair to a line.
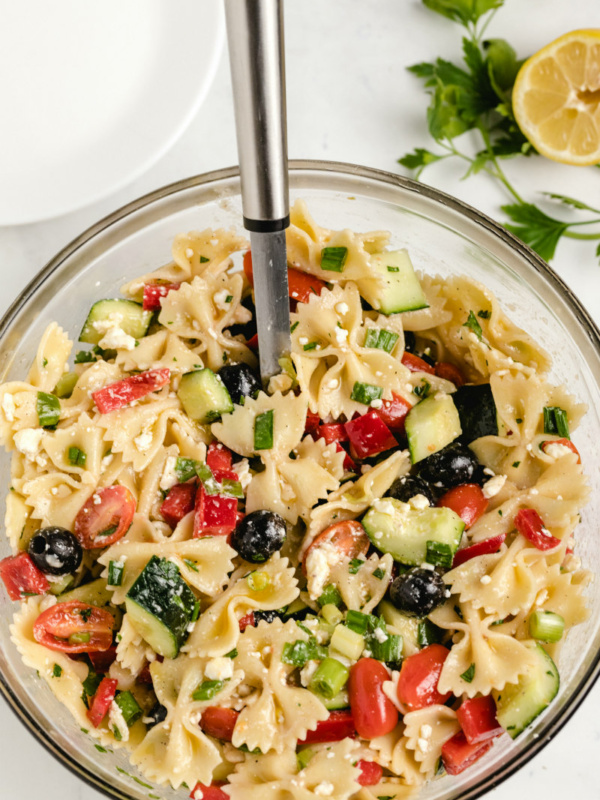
377,402
341,335
485,579
493,486
190,627
318,565
28,440
342,308
220,299
107,461
116,339
380,635
534,491
324,789
418,502
219,669
488,471
333,384
144,440
8,406
384,506
303,340
117,720
198,794
365,468
423,745
307,672
97,499
426,731
553,449
189,253
104,325
169,477
427,565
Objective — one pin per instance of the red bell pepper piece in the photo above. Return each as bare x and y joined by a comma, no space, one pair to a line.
393,412
102,660
212,792
369,436
102,700
301,285
154,292
348,464
312,423
215,515
21,577
449,372
484,548
336,727
530,525
458,754
253,342
247,621
120,394
416,364
466,500
370,773
218,457
332,432
219,722
565,443
477,718
178,503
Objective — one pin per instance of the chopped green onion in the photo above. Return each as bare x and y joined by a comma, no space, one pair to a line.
232,488
333,258
263,431
365,393
358,622
195,612
190,564
204,260
300,652
469,674
473,325
287,366
129,706
546,626
48,409
115,573
422,390
91,683
294,326
428,633
330,678
84,357
303,757
76,457
439,553
185,468
347,642
311,346
393,269
259,581
56,671
229,298
355,565
556,422
331,614
388,650
232,653
204,472
330,596
381,339
80,638
207,690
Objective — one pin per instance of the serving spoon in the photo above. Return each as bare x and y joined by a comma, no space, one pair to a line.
256,55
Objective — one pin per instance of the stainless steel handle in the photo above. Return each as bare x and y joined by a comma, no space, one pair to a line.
256,54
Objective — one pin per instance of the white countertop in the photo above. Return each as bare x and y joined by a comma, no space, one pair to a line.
350,99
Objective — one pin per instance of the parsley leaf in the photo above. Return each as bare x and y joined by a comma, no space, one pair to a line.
538,230
473,325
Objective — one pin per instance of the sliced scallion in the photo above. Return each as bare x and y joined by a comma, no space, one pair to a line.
365,393
263,431
129,707
333,258
546,626
204,472
381,339
330,678
330,596
347,642
331,614
115,573
259,581
48,409
556,421
185,468
207,690
76,457
303,758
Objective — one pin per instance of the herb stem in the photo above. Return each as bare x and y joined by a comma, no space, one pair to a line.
572,235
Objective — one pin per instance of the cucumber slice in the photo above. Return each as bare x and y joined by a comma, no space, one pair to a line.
129,316
204,396
517,705
94,593
160,606
477,411
407,627
400,289
431,425
66,384
409,534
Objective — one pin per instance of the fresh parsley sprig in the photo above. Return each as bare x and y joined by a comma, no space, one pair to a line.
476,96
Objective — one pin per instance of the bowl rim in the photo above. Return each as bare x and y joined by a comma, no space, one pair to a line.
551,728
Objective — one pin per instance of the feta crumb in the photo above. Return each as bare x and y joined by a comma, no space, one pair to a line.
380,635
220,299
493,486
488,471
377,402
342,308
169,477
426,731
54,490
427,565
198,794
307,672
303,340
116,339
485,579
318,565
390,690
117,720
107,461
242,469
418,502
219,669
365,468
97,499
8,406
384,505
341,335
28,440
333,384
534,491
189,253
423,745
553,449
324,789
190,627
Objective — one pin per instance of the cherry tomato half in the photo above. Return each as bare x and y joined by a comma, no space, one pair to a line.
373,712
370,773
74,627
565,443
449,373
466,500
416,364
484,548
105,517
348,536
419,676
219,722
530,525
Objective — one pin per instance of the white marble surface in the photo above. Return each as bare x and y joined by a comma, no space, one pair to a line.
350,99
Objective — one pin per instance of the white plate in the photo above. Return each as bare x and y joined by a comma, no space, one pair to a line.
93,93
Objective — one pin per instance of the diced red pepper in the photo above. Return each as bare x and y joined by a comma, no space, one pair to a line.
530,525
212,792
154,292
247,621
393,413
301,285
466,500
120,394
348,464
565,443
215,515
253,342
219,722
102,700
369,436
178,503
218,456
312,423
102,660
449,373
416,364
370,772
338,726
477,718
332,432
221,475
484,548
21,577
145,675
458,754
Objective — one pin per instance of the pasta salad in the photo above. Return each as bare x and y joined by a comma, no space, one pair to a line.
342,584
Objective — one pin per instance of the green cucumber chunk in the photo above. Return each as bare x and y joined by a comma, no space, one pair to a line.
407,627
204,396
399,288
517,705
94,593
129,316
431,425
160,606
394,527
66,384
477,411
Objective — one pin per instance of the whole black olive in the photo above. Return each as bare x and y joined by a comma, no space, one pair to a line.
246,329
55,551
451,466
240,381
156,715
259,535
408,486
418,592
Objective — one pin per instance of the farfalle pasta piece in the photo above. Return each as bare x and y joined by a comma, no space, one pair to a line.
323,454
425,732
217,629
392,788
279,713
85,436
159,350
18,410
435,314
51,358
132,651
176,750
330,357
364,589
15,520
330,772
56,498
204,563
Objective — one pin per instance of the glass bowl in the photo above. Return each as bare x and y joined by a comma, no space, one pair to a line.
443,236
